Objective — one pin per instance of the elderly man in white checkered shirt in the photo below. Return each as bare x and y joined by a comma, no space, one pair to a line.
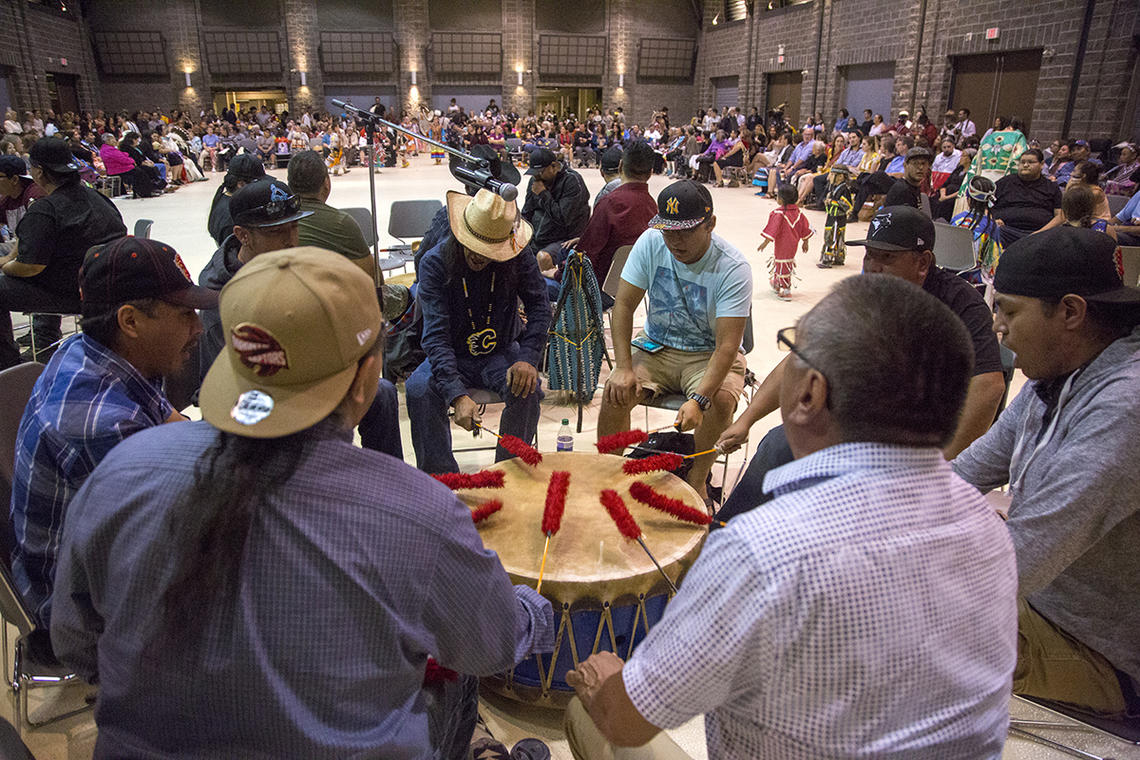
870,608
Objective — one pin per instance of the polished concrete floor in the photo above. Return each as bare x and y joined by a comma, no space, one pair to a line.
180,220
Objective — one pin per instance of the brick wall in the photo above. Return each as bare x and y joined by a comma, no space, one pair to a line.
50,38
848,32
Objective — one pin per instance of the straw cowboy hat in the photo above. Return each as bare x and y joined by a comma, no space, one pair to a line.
487,224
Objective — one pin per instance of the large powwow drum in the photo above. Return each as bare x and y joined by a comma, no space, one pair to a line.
605,590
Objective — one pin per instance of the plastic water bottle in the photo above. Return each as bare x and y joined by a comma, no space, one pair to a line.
565,440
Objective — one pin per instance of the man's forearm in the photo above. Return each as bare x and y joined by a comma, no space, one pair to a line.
719,365
978,412
767,397
622,333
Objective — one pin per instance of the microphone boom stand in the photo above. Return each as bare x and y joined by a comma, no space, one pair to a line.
372,121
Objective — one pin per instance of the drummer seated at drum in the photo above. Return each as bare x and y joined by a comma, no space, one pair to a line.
700,294
870,609
470,285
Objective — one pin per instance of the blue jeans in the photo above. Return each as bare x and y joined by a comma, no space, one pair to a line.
772,452
380,427
427,407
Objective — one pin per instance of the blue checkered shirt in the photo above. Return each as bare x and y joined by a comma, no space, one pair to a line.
354,571
869,610
87,400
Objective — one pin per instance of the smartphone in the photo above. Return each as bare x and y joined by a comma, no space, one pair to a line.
646,345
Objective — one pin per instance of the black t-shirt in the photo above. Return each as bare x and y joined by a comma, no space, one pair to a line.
962,299
902,193
1026,205
57,231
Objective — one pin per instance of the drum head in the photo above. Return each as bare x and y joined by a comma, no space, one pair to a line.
588,549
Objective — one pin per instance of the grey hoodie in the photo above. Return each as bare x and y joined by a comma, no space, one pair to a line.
1075,510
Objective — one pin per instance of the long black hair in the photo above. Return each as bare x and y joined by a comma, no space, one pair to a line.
455,265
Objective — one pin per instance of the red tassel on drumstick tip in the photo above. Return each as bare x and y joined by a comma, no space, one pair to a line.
628,527
669,505
621,441
552,514
666,461
520,449
481,479
555,502
485,510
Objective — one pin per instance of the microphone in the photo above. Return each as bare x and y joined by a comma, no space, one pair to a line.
481,178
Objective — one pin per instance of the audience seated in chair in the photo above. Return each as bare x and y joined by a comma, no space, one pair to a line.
1064,447
139,324
689,274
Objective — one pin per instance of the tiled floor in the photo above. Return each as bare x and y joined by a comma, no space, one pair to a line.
180,220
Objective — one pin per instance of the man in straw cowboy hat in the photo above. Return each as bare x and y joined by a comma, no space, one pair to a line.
265,550
469,288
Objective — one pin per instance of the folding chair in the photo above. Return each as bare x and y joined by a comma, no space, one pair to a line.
32,667
407,220
1126,730
953,247
1116,203
142,228
1130,254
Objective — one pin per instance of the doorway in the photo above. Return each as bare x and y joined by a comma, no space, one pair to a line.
726,91
785,88
996,84
568,100
63,92
870,86
275,100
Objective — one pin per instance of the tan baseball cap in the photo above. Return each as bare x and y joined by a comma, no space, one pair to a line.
296,324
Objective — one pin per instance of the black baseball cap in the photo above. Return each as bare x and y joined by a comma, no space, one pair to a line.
52,153
899,228
266,204
611,158
682,206
1065,260
540,158
919,152
131,268
13,166
245,167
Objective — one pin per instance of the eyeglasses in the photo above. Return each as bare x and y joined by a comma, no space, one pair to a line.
786,341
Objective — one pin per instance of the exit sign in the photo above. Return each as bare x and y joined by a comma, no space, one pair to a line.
992,33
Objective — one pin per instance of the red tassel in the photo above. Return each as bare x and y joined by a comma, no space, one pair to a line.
521,449
621,441
436,675
626,525
669,505
485,510
481,479
667,461
555,502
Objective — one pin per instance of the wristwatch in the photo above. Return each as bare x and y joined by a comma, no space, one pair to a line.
704,402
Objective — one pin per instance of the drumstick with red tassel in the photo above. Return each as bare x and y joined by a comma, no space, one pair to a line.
556,491
667,504
485,510
460,480
629,528
516,446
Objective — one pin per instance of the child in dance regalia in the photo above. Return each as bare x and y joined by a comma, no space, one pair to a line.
786,226
840,201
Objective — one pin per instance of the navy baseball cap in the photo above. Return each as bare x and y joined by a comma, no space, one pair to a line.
52,153
132,268
682,206
899,228
1065,260
611,158
13,166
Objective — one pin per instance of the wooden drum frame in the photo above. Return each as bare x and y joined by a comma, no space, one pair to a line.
605,590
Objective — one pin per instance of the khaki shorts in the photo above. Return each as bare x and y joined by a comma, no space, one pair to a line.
671,370
1051,664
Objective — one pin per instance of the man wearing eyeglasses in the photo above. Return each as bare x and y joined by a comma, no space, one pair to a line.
265,218
870,609
899,242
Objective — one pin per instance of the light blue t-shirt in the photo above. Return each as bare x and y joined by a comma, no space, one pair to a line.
685,301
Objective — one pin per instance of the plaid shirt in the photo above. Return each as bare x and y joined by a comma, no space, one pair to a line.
868,610
87,400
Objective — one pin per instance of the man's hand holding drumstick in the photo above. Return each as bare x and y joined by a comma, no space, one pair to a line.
467,413
598,683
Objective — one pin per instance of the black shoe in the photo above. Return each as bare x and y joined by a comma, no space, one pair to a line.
530,749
